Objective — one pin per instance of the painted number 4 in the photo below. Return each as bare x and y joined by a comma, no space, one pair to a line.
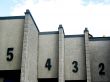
48,64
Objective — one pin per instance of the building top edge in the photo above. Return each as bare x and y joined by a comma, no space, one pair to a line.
99,38
49,32
12,17
73,36
28,12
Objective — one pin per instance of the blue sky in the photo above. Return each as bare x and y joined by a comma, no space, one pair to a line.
5,7
74,15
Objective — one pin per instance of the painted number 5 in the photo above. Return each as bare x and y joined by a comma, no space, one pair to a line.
10,54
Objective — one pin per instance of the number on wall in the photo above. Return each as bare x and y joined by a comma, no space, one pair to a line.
101,69
48,64
75,63
10,54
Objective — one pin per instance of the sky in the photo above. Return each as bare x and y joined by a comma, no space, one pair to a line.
74,15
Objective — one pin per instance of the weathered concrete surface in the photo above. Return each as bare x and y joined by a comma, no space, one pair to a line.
87,53
75,58
1,79
30,51
100,61
48,55
11,36
61,77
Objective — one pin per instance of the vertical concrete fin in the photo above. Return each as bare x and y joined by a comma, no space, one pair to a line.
86,40
30,50
61,54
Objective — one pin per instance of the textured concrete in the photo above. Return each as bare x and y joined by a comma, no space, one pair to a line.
48,49
1,79
11,36
61,77
87,53
30,51
99,53
74,52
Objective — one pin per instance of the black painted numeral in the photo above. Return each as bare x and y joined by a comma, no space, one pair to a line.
10,54
101,69
48,64
75,63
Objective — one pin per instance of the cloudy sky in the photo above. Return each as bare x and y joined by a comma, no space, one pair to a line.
74,15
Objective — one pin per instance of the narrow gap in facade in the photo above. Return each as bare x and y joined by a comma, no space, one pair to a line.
10,75
47,79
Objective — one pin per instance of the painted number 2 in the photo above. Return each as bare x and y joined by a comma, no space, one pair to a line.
101,69
75,63
48,64
10,54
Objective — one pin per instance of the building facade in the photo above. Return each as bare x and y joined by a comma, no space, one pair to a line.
28,55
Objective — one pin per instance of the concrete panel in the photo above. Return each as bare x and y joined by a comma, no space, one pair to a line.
61,68
75,59
48,56
11,38
30,50
87,54
1,79
100,61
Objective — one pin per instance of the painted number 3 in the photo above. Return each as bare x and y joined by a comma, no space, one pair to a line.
75,63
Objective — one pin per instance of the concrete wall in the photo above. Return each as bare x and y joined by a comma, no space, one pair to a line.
52,54
30,50
100,54
1,79
74,58
61,68
48,55
11,37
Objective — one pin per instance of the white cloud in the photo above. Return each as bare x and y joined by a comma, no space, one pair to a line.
96,1
74,16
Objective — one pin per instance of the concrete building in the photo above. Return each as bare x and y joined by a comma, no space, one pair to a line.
28,55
